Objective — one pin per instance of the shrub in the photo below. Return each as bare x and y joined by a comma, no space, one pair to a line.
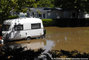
48,22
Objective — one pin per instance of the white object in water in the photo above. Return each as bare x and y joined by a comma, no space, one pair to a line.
1,42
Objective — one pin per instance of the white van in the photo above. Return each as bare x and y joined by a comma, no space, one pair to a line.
22,28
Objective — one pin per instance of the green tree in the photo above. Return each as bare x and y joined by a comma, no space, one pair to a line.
46,3
16,5
5,7
78,5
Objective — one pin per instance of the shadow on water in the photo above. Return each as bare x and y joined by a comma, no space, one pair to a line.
31,44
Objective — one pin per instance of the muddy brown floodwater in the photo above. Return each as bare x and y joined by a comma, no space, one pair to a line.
57,38
69,38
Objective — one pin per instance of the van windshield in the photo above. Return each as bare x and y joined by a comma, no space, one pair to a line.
5,27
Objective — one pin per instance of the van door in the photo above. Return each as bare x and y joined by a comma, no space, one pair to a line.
18,30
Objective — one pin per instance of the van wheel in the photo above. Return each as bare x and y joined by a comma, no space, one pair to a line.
28,38
43,36
37,37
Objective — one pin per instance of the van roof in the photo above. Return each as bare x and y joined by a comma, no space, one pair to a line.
23,20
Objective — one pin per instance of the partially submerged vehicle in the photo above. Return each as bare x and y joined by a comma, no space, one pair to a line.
1,41
22,28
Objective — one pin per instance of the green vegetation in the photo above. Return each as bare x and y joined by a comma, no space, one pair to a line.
66,22
45,3
12,17
7,6
78,5
48,22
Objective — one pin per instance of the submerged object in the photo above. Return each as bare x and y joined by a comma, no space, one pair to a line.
1,41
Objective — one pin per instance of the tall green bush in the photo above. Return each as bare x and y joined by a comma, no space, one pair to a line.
48,22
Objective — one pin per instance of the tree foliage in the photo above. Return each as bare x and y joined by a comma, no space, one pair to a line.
46,3
22,5
5,7
79,5
16,5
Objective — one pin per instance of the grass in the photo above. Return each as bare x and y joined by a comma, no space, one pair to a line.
46,19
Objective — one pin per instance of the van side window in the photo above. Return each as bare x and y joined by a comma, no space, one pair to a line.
18,27
36,26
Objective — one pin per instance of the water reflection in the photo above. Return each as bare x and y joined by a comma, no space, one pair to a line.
33,45
48,46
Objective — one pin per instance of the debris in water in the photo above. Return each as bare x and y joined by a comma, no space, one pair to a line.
58,41
65,38
49,45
